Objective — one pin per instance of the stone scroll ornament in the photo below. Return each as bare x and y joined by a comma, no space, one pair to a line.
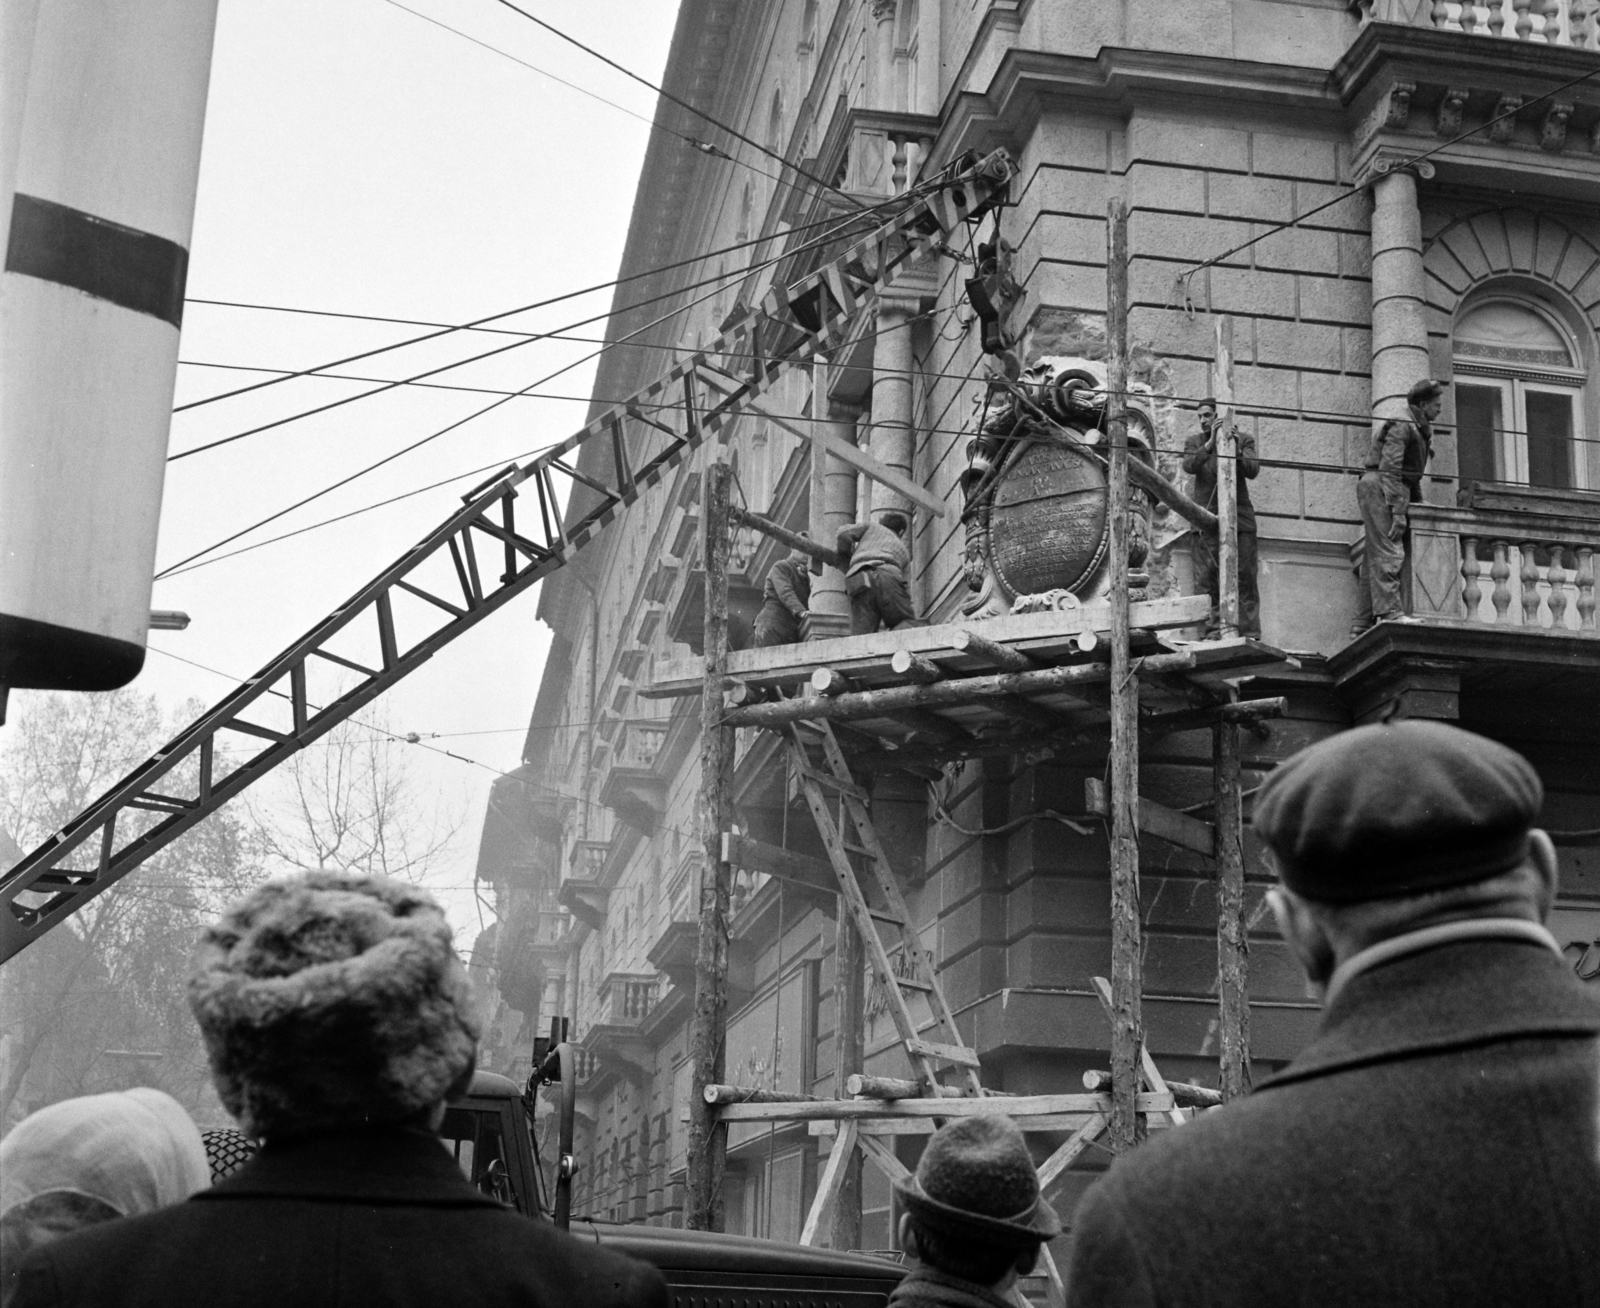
1036,496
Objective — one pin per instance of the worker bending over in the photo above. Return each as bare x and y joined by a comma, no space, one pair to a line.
1200,462
1392,483
785,600
876,559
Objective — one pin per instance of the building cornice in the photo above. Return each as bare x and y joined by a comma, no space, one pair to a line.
1030,83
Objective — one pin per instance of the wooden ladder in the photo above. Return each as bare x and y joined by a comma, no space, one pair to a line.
834,776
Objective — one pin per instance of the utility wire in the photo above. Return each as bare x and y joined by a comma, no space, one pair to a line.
1183,279
648,122
684,104
477,413
721,280
479,323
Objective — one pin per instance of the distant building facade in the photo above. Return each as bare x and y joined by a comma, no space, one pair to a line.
1215,121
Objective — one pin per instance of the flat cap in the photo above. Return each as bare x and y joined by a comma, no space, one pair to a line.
1383,811
1423,391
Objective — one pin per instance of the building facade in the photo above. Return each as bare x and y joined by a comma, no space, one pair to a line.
1444,161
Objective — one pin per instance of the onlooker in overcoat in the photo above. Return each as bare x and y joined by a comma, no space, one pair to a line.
1436,1143
338,1020
972,1217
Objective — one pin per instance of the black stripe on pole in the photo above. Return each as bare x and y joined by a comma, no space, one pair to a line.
134,269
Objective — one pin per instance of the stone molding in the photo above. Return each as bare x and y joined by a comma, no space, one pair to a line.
1494,243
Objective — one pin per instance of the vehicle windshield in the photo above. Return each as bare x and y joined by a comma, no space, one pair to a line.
476,1139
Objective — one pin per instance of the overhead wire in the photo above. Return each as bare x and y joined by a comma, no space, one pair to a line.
684,104
1302,465
402,739
1184,278
728,277
593,95
389,458
478,324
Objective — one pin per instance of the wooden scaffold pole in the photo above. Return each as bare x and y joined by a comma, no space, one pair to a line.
1228,817
1227,452
849,981
708,1137
1127,1025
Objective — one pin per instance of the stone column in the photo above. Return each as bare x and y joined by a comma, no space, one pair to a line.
830,606
893,438
1399,310
880,54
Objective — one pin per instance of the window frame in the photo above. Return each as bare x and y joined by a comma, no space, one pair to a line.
1514,382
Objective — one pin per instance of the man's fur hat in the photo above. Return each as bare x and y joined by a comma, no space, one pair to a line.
333,999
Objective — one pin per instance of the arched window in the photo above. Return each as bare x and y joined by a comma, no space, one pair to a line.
775,141
1518,392
746,212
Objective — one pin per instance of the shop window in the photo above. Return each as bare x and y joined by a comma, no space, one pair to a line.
1518,397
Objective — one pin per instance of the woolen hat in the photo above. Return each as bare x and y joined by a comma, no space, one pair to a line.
976,1181
1384,811
1423,391
332,999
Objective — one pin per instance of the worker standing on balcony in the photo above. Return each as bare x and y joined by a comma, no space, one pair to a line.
1200,462
877,559
785,600
1392,483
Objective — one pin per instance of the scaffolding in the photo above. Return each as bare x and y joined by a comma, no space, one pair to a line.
916,699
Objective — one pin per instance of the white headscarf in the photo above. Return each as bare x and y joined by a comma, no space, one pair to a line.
135,1150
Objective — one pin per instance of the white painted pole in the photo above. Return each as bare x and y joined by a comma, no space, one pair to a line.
103,107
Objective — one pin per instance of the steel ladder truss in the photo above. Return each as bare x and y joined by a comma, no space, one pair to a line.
834,776
478,559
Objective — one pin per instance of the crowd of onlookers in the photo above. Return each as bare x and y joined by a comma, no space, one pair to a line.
1437,1142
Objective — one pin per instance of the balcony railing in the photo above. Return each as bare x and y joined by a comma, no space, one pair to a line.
626,998
1520,558
1551,22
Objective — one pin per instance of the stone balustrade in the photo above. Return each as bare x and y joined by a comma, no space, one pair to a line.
1552,22
1531,567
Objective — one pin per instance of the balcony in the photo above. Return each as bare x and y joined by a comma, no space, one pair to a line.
626,998
1504,582
583,891
1546,22
1508,557
633,789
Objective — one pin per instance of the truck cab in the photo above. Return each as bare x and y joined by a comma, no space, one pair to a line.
490,1132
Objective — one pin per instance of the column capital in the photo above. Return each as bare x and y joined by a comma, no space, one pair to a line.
1389,162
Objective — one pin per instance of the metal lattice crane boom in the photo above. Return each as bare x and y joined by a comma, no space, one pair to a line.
446,583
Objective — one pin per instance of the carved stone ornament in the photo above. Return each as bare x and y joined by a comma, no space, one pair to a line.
1450,110
1386,161
1037,529
1391,113
1503,121
1553,130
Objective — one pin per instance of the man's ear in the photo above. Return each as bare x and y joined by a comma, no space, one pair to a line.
1299,927
1546,864
908,1237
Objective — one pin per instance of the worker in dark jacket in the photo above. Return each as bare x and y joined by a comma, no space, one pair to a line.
338,1019
1437,1142
878,557
784,600
972,1217
1392,483
1200,462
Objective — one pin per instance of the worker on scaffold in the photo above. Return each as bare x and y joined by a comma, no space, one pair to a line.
785,600
877,558
1200,462
1388,488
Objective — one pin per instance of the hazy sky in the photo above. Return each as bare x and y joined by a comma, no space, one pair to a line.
363,160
